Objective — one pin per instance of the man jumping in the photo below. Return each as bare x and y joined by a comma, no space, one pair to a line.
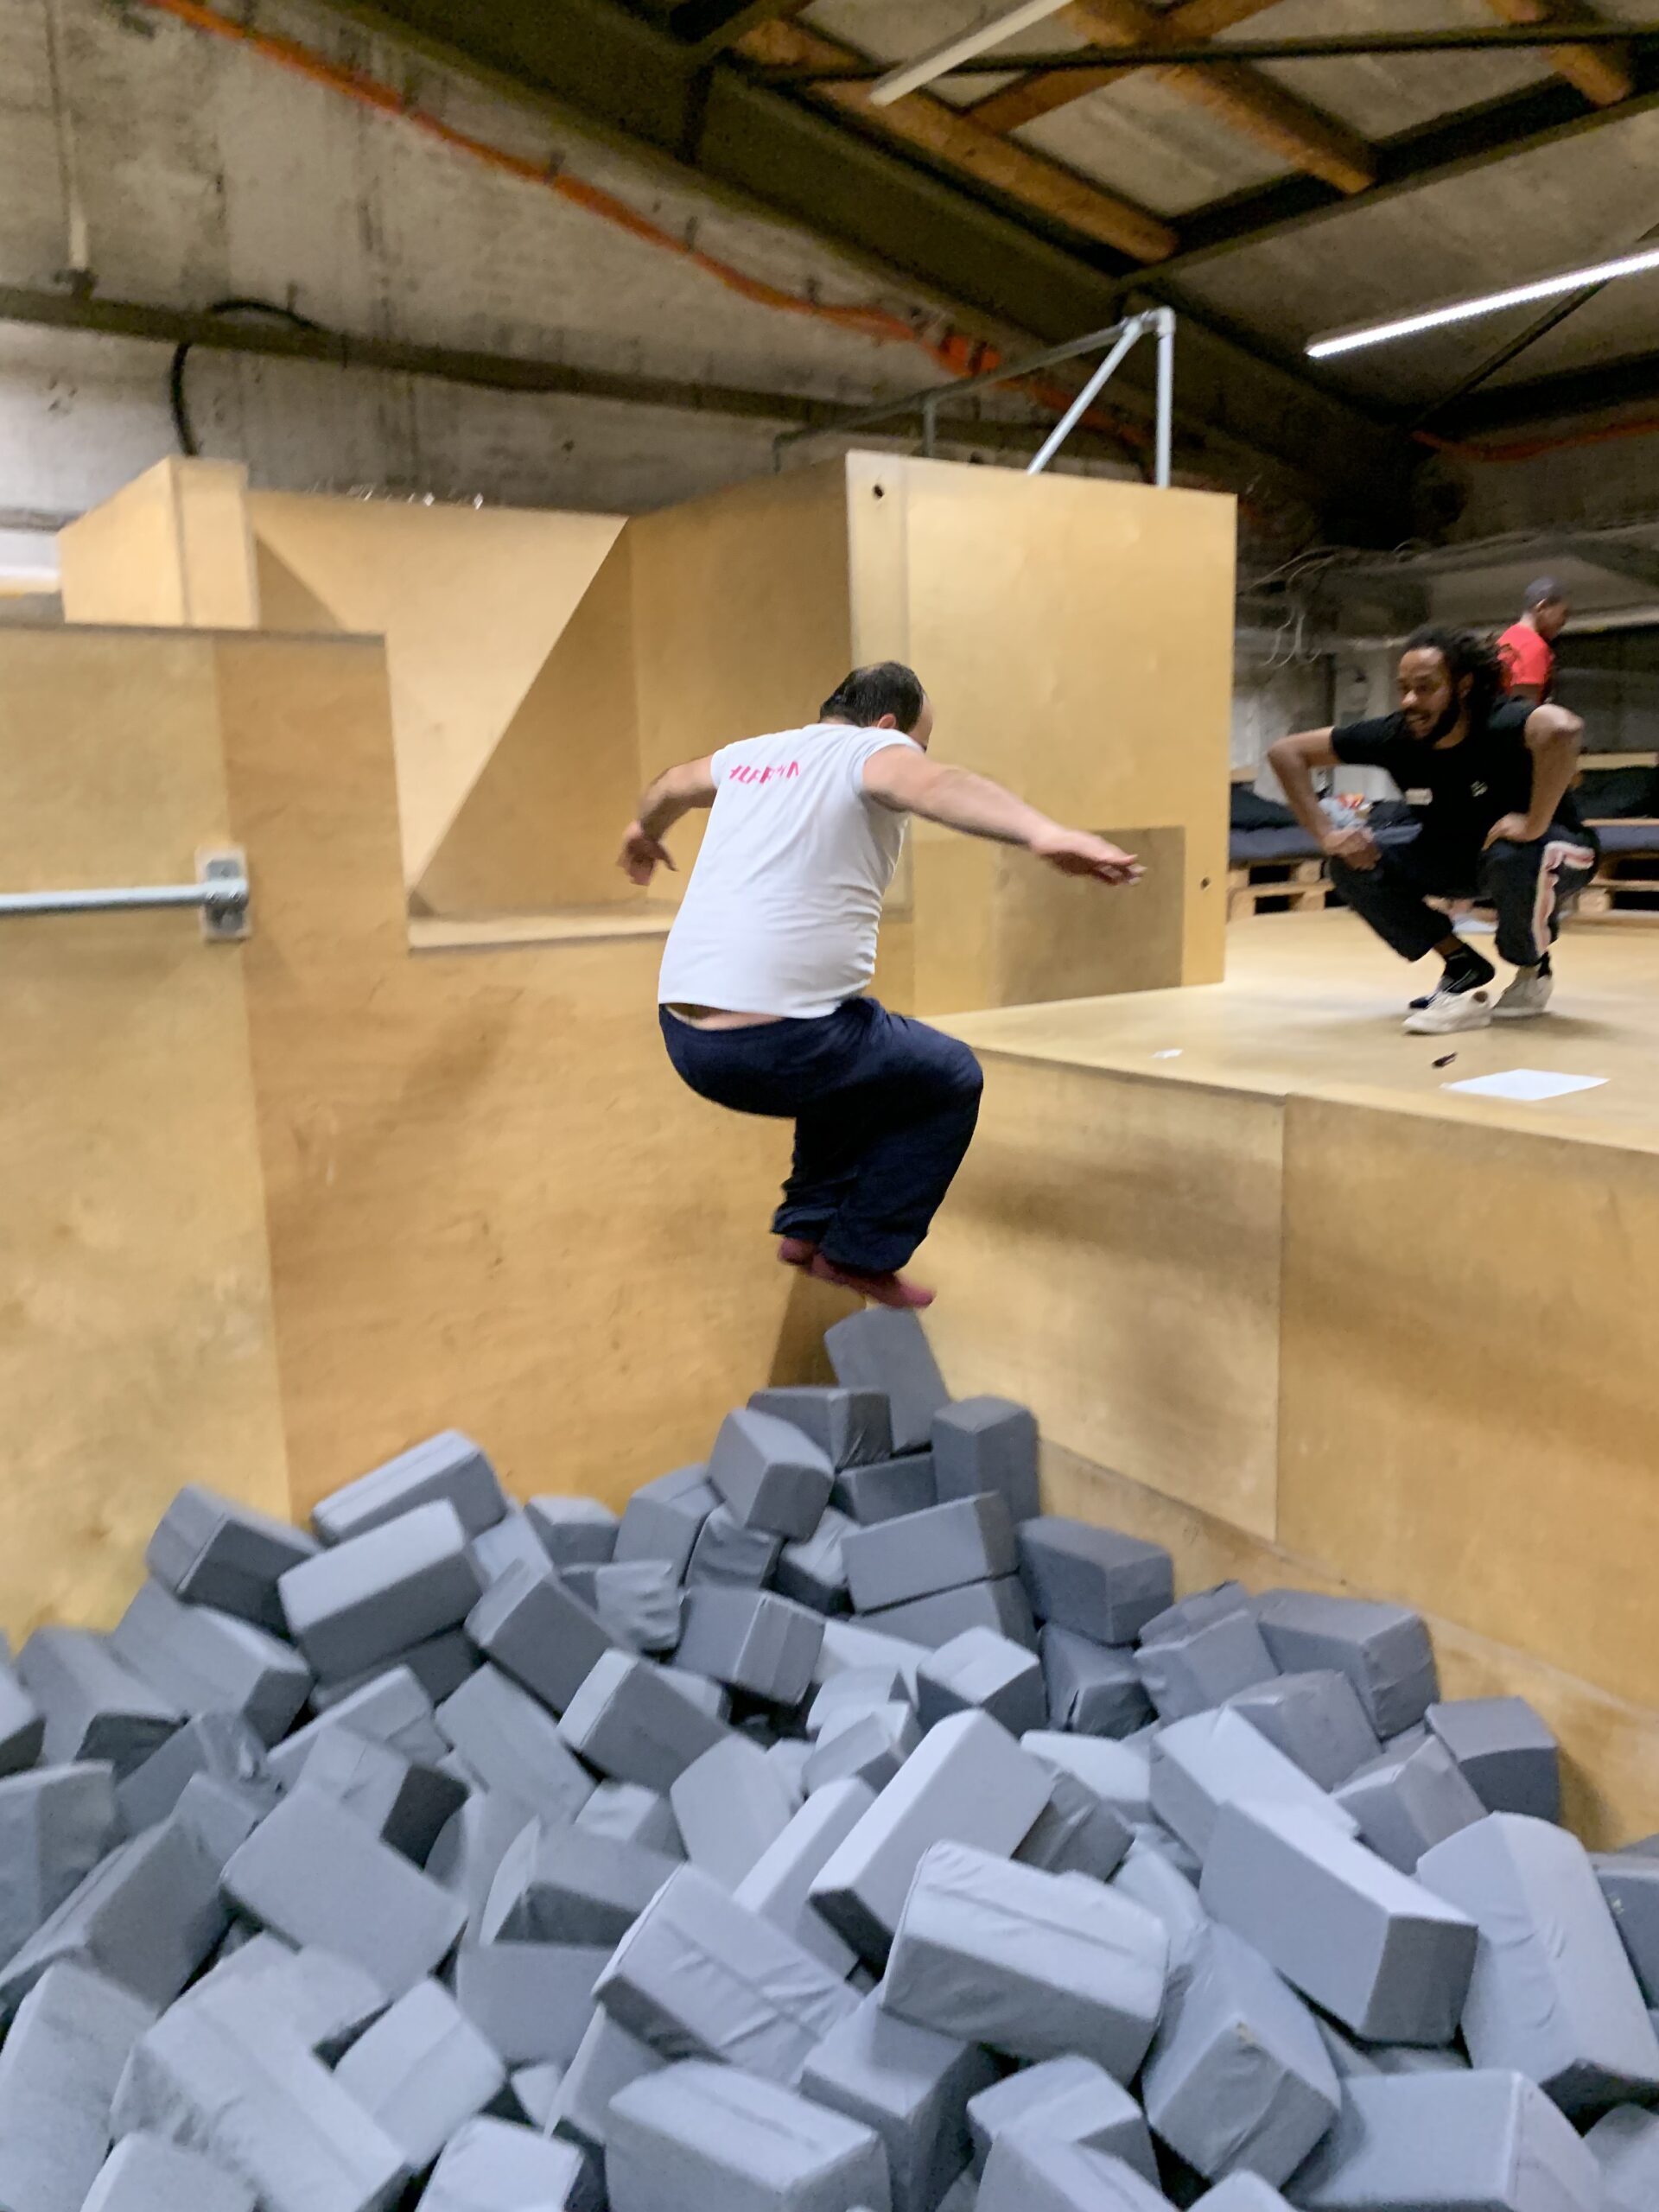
761,994
1486,781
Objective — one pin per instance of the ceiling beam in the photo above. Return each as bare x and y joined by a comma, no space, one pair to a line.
1630,379
1602,73
710,26
1637,564
1043,91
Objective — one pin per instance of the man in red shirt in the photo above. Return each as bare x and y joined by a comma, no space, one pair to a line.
1526,648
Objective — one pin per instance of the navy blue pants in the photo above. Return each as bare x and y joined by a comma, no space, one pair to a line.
884,1110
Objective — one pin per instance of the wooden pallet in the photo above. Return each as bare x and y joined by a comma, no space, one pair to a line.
1276,887
1626,887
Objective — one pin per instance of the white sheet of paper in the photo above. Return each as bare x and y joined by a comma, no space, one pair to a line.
1525,1083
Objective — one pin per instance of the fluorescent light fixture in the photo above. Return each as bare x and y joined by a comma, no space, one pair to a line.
910,76
1514,296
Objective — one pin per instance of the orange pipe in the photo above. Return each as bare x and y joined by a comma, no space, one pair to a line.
1644,426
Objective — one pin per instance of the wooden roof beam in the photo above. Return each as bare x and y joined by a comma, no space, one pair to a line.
1602,73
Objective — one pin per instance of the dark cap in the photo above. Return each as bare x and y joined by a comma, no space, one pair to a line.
1542,592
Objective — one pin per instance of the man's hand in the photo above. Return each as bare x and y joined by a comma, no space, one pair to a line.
1513,829
1075,852
1354,845
641,855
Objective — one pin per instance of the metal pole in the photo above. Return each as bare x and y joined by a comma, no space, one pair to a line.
1164,319
1080,406
221,893
930,427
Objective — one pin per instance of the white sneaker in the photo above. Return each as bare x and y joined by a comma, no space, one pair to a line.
1527,995
1450,1010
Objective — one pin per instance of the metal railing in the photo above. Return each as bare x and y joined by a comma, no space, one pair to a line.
220,894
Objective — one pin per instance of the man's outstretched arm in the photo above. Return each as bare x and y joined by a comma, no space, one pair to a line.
675,792
904,779
1294,759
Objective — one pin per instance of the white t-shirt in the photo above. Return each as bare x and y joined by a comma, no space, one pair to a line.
784,904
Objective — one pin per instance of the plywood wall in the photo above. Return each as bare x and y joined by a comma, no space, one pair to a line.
174,547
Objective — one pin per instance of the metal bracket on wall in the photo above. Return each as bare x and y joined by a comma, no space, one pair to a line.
220,894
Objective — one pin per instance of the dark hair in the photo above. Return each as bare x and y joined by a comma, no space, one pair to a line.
1545,592
887,688
1465,654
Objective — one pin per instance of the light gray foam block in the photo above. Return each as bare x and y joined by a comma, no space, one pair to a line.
448,1467
94,1706
1093,2114
629,1722
493,2165
850,1428
537,2091
1624,2143
200,1661
210,1550
1118,1772
1095,1581
854,1644
887,1489
467,1854
968,1781
709,1696
1508,1755
327,2001
727,1552
912,2086
1014,2100
221,1815
698,1974
1092,1688
1238,2078
868,1747
510,1543
55,1825
1405,1806
1194,1669
814,1572
1217,1758
315,1874
1629,1883
1448,2142
1198,1609
751,1640
1383,1650
144,2173
695,2137
662,1519
1026,2174
531,1626
777,1886
730,1806
1242,2193
531,2002
1553,1994
879,1349
372,1595
770,1474
391,1708
608,2059
220,1745
421,2071
627,1812
513,1743
22,1726
854,1691
574,1531
1389,1958
790,1755
986,1444
969,1540
562,1885
639,1603
1148,1877
1035,1965
59,2071
1000,1605
406,1804
1075,1833
1316,1719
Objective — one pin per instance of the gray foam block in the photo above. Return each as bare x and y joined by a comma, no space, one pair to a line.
632,1723
770,1474
1000,1605
559,1885
202,1660
790,1755
1092,1688
210,1550
849,1644
1509,1757
512,1542
1095,1581
638,1602
727,1552
969,1540
986,1444
406,1804
1194,1669
751,1640
608,2059
695,2137
55,1825
531,2002
887,1489
872,1745
439,1663
220,1745
1405,1806
814,1572
22,1726
534,1629
1242,2193
95,1708
1447,2142
537,2090
315,1874
730,1806
1624,2143
699,1975
856,1690
1553,1994
1095,2114
1316,1719
1148,1877
1025,2173
1033,1964
912,2086
422,2071
511,1741
391,1708
493,2165
626,1812
1238,2078
1018,2097
574,1531
662,1519
1217,1758
1075,1833
148,1916
701,1690
1389,1958
221,1815
325,2001
1629,1883
59,2071
144,2173
1383,1650
879,1349
777,1885
467,1854
1117,1772
968,1781
371,1596
1198,1609
852,1428
448,1467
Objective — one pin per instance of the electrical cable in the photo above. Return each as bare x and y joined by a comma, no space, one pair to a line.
184,429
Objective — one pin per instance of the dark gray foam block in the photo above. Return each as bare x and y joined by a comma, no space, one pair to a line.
559,1885
727,1552
1444,2142
212,1551
986,1444
608,2059
662,1519
696,2138
1035,1965
221,1815
1315,1719
1629,1883
1624,2143
629,1721
22,1726
852,1428
1405,1805
493,2165
144,2173
698,1975
778,1885
1030,2096
59,2070
421,2071
218,1744
969,1540
1024,2173
1075,1833
94,1706
1508,1755
1000,1605
514,1744
879,1349
406,1804
730,1806
887,1488
751,1640
449,1467
531,1627
814,1572
910,2084
1092,1580
371,1596
770,1474
1192,1669
1217,1758
1391,1959
1092,1688
202,1660
531,2002
439,1663
55,1825
1553,1994
1383,1650
1198,1609
574,1531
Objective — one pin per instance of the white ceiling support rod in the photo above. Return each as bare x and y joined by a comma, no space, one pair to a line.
910,76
